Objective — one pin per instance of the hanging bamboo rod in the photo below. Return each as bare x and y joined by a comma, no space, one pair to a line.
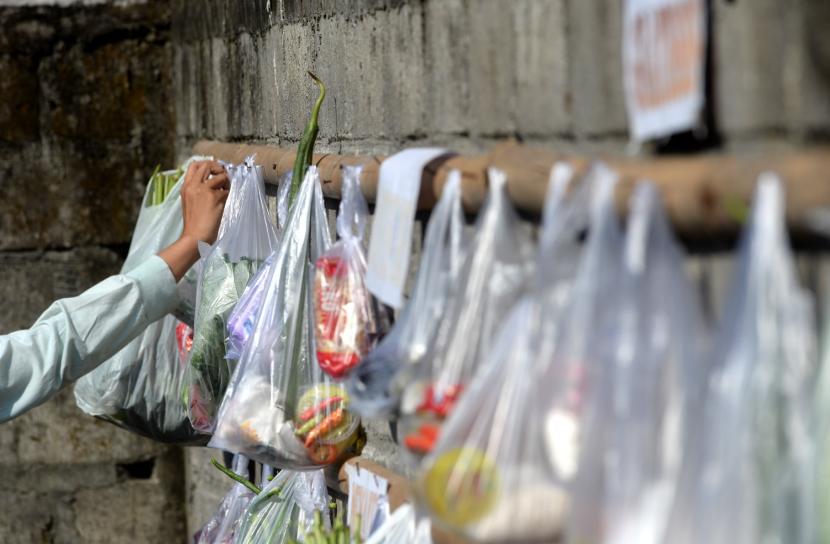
701,192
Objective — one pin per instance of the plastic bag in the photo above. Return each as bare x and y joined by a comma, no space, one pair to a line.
491,471
284,510
246,237
491,280
645,403
138,388
821,424
753,479
222,527
402,527
281,409
243,317
373,390
346,322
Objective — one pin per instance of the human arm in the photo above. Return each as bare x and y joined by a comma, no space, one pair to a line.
77,334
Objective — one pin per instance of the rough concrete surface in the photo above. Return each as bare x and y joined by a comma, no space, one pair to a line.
96,92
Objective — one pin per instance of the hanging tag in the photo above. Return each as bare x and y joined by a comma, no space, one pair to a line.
399,183
663,54
368,498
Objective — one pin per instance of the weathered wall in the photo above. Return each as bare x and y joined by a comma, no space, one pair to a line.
96,92
85,112
466,73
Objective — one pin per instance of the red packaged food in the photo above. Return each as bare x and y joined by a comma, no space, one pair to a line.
345,317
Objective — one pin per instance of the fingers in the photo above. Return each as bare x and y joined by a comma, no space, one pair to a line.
199,171
219,181
215,167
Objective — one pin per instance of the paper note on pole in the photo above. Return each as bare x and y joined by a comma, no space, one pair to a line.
663,65
399,183
368,499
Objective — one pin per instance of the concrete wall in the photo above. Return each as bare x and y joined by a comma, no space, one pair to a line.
96,92
86,110
466,73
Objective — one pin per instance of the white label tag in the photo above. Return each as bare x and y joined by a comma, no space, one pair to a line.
663,46
399,183
368,498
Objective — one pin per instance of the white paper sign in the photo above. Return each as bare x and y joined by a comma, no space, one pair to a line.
663,64
368,498
399,183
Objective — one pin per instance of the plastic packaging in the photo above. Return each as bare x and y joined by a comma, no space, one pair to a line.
372,386
490,477
402,527
490,282
645,403
281,409
753,479
138,389
284,510
821,425
243,317
222,527
346,322
247,236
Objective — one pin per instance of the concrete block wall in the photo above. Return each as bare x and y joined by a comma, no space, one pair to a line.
86,111
96,92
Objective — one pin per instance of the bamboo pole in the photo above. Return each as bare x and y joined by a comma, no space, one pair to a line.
699,191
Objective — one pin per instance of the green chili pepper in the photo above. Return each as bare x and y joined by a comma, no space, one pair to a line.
305,150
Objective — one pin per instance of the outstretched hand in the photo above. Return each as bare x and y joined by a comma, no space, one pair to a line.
204,193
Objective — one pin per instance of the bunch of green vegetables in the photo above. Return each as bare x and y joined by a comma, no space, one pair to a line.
339,534
162,184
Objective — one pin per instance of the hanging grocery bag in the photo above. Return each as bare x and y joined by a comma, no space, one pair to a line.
644,406
490,477
285,509
402,527
372,386
345,314
281,408
246,237
222,527
821,426
242,318
138,388
490,281
753,479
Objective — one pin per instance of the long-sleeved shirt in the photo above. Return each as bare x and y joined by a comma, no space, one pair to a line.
75,335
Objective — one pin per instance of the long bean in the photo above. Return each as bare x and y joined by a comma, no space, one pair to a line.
305,150
235,477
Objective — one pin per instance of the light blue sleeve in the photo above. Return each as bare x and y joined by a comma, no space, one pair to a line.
77,334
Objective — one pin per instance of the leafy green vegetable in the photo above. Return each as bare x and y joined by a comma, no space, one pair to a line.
209,371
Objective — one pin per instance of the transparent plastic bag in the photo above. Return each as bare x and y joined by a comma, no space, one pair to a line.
281,409
247,236
346,321
821,425
222,527
753,479
490,477
645,403
371,384
243,317
402,527
138,388
490,281
284,511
